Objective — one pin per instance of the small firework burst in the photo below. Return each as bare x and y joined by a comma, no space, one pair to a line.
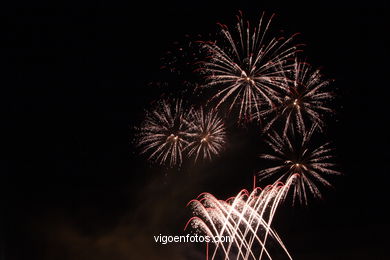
208,135
247,67
299,158
306,99
163,134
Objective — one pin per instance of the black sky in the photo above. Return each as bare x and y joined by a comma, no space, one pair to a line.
74,82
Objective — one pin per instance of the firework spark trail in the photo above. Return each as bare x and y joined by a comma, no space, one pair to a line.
242,218
279,192
163,134
207,133
215,220
278,198
299,158
249,68
304,98
239,203
260,207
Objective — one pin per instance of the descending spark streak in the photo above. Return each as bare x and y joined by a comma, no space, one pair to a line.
247,68
163,134
299,158
242,218
305,99
207,133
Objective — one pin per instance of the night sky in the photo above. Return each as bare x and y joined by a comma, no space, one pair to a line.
75,80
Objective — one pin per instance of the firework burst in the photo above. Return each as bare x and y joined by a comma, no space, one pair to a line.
305,100
299,158
207,132
163,134
245,218
247,67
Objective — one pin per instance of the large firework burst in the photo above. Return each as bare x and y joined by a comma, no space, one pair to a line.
247,67
246,219
300,158
304,100
163,134
207,133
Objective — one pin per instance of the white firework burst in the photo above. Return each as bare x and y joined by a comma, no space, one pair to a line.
207,133
304,100
163,135
290,158
247,67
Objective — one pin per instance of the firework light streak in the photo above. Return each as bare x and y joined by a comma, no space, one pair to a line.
207,132
305,97
246,218
299,158
163,134
247,67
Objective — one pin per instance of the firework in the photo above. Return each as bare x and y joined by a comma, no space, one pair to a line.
247,67
299,158
305,99
245,218
163,134
207,132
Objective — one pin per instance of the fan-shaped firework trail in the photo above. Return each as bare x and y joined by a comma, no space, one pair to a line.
299,158
247,68
163,134
305,99
245,218
207,132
